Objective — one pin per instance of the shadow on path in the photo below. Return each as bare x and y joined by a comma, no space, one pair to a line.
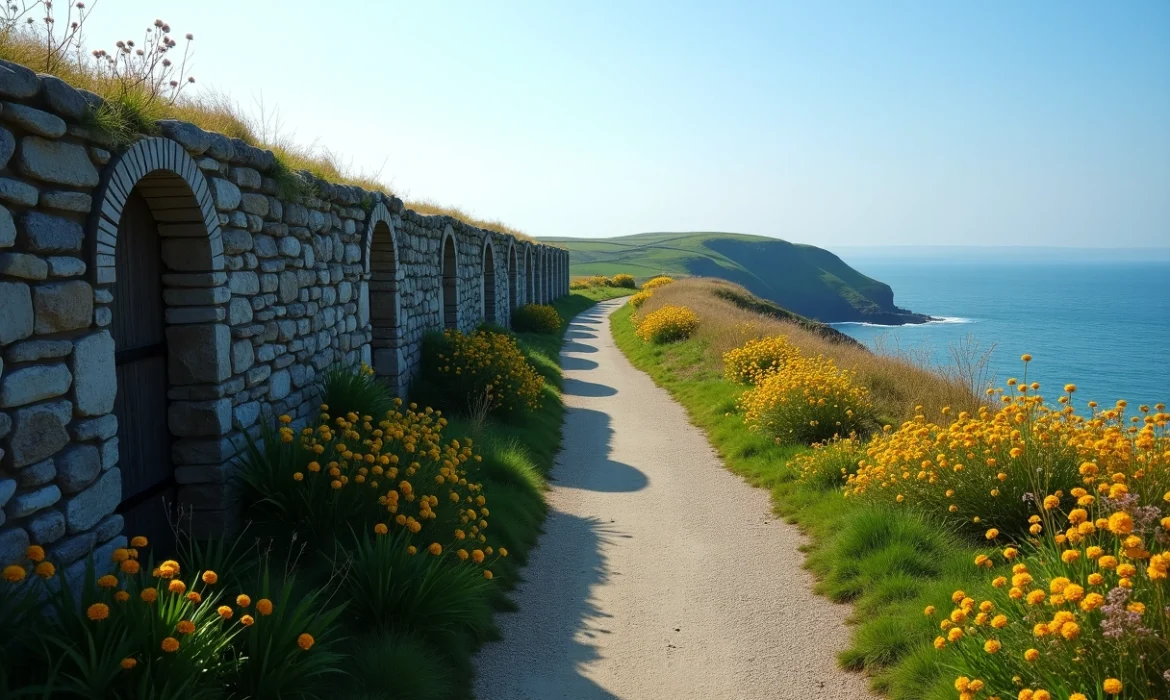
588,439
573,346
577,387
562,573
577,363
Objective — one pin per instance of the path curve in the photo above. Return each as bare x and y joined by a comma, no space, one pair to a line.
661,575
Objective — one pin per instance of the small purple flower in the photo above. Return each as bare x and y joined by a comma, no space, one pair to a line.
1117,621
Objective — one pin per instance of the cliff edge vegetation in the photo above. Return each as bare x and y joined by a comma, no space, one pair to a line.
804,279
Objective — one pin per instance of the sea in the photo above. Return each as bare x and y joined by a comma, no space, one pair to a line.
1103,325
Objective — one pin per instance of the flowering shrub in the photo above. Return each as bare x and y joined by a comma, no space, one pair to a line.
668,324
828,464
536,318
151,631
756,360
989,469
622,280
660,281
812,400
579,284
638,299
350,472
482,366
1082,611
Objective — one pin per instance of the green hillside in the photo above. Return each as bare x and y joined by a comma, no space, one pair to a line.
808,280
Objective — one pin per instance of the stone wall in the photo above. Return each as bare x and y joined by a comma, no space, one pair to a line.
254,295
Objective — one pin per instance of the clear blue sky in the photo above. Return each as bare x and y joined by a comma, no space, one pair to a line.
837,123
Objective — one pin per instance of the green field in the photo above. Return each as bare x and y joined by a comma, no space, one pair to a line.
805,279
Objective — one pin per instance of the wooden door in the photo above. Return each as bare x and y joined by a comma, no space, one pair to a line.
144,439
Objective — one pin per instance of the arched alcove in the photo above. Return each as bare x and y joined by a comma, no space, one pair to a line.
154,221
513,282
489,282
385,303
449,267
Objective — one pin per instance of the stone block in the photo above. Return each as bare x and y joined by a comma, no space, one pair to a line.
57,162
289,247
246,415
197,296
246,177
236,241
77,467
24,266
71,549
363,314
239,311
86,509
7,226
13,542
67,201
244,283
95,375
279,385
17,192
46,233
195,314
225,194
193,139
102,428
257,375
109,527
200,418
38,432
243,356
109,454
199,353
195,279
20,387
65,266
202,451
46,527
25,504
190,254
33,120
256,204
62,306
7,488
39,474
265,246
62,98
289,287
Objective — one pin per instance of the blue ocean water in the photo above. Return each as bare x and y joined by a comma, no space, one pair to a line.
1104,326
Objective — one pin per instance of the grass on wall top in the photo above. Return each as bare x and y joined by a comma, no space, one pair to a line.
130,114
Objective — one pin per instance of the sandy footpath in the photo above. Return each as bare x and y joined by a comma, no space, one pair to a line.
660,575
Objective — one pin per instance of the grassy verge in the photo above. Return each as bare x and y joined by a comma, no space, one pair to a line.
889,563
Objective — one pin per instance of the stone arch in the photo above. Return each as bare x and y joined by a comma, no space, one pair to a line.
513,281
385,305
487,282
531,274
449,274
157,258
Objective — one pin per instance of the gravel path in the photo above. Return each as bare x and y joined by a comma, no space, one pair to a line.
661,575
